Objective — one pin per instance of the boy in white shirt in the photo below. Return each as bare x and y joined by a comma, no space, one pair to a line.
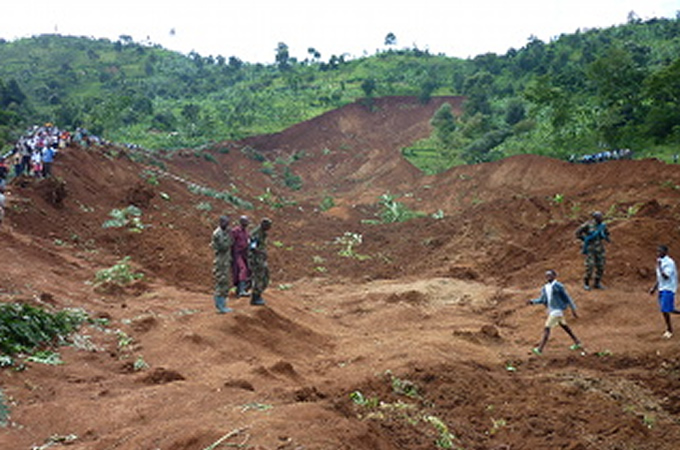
666,284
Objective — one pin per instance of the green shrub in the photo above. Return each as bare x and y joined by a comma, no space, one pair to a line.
25,328
360,399
209,157
403,387
151,177
160,164
348,241
446,438
224,195
291,180
120,274
394,211
439,214
46,357
140,364
327,203
204,206
275,201
268,169
129,218
253,154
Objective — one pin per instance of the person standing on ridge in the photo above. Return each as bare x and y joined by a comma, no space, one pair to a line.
257,259
221,244
666,284
48,153
239,256
593,233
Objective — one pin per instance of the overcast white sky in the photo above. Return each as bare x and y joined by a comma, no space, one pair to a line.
251,29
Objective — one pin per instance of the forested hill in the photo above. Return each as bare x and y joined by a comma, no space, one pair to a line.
602,88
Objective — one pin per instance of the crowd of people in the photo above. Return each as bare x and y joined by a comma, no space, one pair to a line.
33,153
606,155
240,261
594,234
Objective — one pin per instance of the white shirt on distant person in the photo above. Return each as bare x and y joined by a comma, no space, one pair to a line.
668,267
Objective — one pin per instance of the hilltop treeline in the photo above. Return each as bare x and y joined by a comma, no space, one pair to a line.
602,88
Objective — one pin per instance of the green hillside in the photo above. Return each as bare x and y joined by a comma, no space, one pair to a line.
595,89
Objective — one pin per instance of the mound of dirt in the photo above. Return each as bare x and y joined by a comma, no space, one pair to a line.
417,338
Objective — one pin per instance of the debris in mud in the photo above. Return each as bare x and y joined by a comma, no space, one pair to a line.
139,195
308,394
284,368
53,190
160,375
144,323
412,297
239,384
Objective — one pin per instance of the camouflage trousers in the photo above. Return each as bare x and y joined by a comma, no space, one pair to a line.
595,262
222,275
260,277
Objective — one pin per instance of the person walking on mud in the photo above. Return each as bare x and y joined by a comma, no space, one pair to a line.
257,260
221,244
666,284
593,233
239,256
554,296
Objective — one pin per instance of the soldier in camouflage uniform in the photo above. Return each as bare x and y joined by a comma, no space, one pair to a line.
257,260
221,244
593,233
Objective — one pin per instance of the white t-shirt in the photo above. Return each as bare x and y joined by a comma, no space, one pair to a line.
668,267
549,293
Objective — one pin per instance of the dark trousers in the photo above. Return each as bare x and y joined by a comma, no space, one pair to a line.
26,164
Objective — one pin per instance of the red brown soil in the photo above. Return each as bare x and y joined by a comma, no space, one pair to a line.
439,305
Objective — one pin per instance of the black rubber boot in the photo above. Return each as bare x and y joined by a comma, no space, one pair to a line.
257,300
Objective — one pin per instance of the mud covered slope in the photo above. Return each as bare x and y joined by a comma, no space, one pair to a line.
358,147
418,341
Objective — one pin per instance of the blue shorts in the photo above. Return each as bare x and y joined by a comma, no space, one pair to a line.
667,301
